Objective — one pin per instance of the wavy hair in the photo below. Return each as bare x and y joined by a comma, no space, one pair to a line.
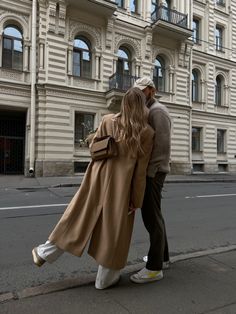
132,118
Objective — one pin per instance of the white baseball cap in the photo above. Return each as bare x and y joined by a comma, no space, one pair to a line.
144,82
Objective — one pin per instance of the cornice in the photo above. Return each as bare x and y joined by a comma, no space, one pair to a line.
14,89
68,91
209,57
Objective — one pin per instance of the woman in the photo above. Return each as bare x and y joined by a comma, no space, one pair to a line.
102,210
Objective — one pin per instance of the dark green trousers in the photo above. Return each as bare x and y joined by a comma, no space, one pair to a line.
154,222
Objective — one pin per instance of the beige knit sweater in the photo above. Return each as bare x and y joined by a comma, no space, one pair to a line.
160,121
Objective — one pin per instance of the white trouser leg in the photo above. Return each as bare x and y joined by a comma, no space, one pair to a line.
49,251
106,277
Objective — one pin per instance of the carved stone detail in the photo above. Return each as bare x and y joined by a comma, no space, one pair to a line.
22,19
83,83
134,44
94,32
54,25
148,50
184,54
16,92
109,33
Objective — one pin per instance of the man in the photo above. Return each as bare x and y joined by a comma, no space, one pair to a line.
158,167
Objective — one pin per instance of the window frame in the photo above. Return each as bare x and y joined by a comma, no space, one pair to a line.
196,86
81,142
122,61
12,40
219,90
136,6
197,148
221,147
220,2
81,64
120,3
219,40
158,69
196,30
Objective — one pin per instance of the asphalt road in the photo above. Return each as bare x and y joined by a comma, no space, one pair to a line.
198,217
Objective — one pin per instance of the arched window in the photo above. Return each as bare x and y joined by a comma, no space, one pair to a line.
124,64
82,64
195,85
218,90
159,75
124,68
12,52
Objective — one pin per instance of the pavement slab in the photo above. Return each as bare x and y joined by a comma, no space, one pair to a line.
202,285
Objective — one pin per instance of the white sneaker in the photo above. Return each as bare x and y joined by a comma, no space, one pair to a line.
165,265
146,275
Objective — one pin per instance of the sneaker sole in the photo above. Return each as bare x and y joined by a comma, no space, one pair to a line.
111,285
145,280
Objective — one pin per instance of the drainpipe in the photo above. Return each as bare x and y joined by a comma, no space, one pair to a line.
33,88
190,89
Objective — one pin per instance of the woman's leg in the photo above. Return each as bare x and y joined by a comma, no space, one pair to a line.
106,277
48,252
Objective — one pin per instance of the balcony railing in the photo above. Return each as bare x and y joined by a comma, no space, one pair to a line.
172,16
121,82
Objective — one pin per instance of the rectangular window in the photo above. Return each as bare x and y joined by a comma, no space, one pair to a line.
219,38
198,167
221,2
7,53
196,139
120,3
196,27
84,124
221,141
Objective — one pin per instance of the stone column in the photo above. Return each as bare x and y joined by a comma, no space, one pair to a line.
202,90
171,79
41,55
114,65
148,10
70,61
96,66
226,96
26,58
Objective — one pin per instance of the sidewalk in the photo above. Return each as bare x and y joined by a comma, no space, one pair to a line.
203,285
14,181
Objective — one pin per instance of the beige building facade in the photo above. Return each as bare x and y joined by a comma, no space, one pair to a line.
66,63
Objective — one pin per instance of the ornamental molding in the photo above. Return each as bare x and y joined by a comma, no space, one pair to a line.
21,20
134,44
93,33
15,92
199,68
162,51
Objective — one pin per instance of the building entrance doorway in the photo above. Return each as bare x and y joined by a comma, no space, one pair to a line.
12,142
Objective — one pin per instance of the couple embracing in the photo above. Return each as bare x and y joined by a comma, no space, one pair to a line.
102,212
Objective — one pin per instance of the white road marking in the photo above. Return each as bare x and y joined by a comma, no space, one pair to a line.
33,206
214,195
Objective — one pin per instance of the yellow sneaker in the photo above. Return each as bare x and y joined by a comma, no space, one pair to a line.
146,275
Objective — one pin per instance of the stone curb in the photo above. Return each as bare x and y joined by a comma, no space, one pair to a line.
61,185
90,278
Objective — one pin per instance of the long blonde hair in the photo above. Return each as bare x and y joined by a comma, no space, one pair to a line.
132,118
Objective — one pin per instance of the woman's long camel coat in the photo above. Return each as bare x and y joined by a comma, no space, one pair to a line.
99,210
